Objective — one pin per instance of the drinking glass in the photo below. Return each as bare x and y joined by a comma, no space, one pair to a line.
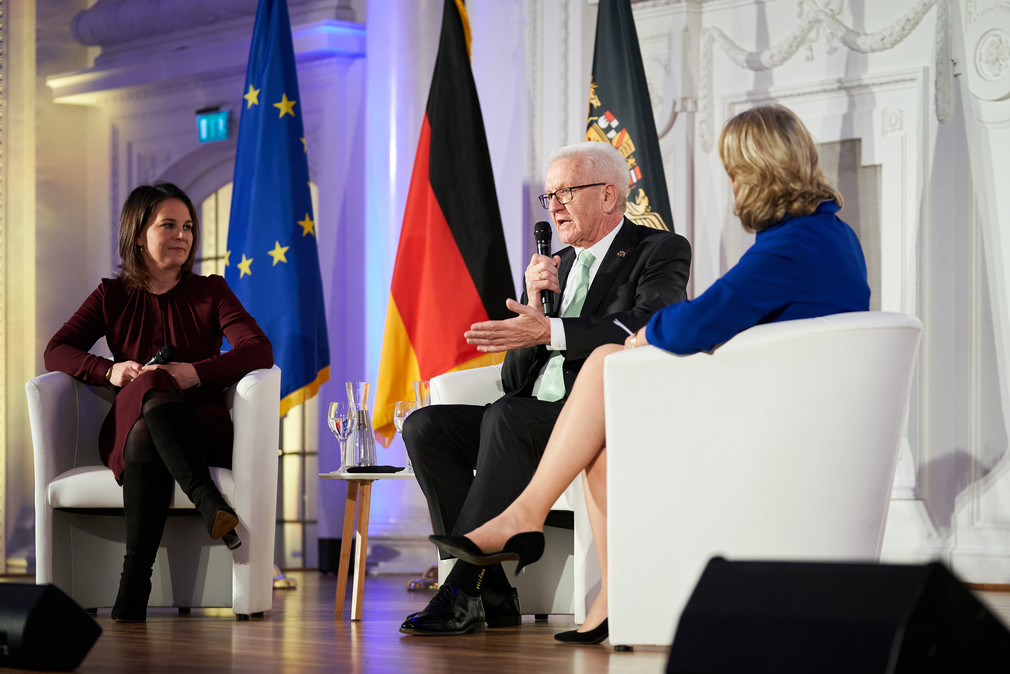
422,392
400,412
341,419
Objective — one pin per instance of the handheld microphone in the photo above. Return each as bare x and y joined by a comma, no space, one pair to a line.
542,234
166,354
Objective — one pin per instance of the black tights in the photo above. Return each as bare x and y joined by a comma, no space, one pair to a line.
139,446
147,491
165,446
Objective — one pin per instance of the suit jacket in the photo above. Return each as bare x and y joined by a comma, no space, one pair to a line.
645,270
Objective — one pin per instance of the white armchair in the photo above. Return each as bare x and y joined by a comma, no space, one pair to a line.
780,445
567,578
79,528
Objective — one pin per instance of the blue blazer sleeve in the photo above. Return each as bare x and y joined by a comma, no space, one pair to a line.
803,267
758,286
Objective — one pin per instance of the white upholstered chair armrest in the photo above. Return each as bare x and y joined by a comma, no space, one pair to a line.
66,416
255,405
476,386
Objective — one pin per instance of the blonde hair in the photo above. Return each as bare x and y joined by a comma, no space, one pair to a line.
773,163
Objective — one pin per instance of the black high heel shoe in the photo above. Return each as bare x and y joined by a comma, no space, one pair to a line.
524,548
232,540
593,636
221,520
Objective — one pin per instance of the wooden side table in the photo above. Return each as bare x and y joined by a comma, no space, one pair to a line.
359,494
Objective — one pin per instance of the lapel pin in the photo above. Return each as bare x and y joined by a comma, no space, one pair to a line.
621,253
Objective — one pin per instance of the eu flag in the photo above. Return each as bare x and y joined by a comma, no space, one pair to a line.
273,262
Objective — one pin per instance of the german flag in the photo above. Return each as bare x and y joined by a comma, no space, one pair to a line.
620,113
451,266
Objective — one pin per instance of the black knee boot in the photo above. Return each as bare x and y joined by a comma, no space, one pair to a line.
147,489
180,446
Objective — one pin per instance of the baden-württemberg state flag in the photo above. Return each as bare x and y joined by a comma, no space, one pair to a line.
620,113
451,266
273,262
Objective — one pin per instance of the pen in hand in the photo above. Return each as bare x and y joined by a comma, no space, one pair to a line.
622,326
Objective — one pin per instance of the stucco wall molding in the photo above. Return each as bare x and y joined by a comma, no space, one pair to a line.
813,18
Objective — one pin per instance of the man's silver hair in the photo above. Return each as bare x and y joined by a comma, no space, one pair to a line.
602,160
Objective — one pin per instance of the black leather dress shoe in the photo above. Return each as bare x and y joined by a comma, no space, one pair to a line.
450,612
501,610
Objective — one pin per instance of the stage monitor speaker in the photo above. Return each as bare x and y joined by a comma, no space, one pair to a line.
43,628
786,617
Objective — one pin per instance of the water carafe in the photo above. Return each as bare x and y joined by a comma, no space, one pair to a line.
361,445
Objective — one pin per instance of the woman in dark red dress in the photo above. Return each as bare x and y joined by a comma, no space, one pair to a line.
169,421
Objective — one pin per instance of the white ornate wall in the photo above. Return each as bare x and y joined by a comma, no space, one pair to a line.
924,84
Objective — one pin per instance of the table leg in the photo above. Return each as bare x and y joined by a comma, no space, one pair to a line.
357,598
350,507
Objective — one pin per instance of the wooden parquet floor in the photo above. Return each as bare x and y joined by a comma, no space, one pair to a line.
301,634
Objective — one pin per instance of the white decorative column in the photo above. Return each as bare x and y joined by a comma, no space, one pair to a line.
18,227
401,44
982,550
669,34
559,66
4,125
500,33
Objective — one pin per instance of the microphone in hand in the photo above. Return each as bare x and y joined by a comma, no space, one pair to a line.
542,234
166,354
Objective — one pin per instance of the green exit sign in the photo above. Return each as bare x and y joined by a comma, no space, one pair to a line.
212,125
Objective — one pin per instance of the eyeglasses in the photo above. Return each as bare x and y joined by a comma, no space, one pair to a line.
564,195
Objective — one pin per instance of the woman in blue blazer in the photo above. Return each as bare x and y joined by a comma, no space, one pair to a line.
805,262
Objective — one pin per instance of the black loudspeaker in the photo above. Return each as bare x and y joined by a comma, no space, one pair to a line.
43,628
788,617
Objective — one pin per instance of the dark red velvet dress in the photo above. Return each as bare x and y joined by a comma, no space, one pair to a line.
194,316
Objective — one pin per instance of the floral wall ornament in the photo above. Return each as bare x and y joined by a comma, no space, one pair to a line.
992,55
987,48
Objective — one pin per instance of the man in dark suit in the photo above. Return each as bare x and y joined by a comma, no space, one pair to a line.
610,270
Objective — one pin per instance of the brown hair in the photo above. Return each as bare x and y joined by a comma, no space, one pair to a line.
773,163
137,211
